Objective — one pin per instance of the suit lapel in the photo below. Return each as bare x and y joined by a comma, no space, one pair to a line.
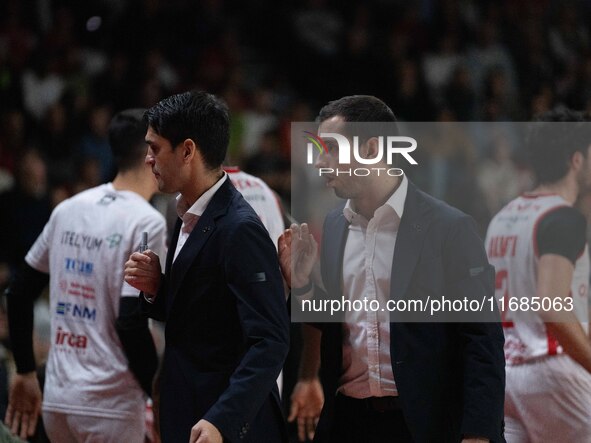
334,249
204,228
409,241
172,248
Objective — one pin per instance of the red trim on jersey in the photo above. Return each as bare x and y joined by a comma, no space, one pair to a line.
231,169
552,341
537,223
552,344
534,195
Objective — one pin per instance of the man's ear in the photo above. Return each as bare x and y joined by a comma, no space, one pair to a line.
577,160
189,150
372,148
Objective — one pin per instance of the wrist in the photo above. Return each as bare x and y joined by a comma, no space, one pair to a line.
302,289
306,378
26,367
149,297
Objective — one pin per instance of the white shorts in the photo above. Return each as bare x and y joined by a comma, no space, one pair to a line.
70,428
548,400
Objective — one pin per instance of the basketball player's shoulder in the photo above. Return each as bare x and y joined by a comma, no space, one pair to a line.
78,201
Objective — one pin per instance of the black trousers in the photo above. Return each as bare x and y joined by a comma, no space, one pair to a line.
368,421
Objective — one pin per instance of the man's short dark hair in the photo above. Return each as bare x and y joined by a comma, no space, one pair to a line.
358,108
194,115
552,140
363,109
127,132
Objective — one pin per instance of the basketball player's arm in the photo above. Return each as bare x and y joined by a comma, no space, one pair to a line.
136,340
24,400
561,240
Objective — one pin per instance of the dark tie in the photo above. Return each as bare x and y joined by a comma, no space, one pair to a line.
189,222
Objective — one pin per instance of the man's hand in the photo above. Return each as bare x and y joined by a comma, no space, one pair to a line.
307,400
24,405
205,432
297,255
475,440
142,271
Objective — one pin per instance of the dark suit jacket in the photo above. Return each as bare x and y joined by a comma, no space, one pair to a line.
227,328
450,376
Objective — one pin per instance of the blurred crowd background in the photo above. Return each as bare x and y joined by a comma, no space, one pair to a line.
67,66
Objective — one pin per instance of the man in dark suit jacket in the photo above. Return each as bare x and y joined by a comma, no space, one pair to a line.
401,380
221,295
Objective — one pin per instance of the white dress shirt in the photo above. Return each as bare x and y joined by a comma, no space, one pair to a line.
367,268
196,209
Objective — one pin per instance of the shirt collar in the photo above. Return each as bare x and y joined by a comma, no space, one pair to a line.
198,208
396,202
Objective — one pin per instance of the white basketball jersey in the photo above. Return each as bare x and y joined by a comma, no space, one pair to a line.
84,247
262,199
512,249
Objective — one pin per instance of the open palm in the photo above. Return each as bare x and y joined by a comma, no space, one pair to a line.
298,252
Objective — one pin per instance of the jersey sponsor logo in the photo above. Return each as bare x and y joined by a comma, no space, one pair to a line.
515,350
520,206
107,199
255,198
244,183
76,266
75,311
501,246
114,240
68,341
81,241
77,289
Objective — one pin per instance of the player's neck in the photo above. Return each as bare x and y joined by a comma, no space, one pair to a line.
565,188
135,181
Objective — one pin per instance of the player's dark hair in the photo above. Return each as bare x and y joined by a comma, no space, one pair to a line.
194,115
552,140
127,132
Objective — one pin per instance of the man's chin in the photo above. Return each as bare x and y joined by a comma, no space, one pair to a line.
330,183
340,193
338,190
